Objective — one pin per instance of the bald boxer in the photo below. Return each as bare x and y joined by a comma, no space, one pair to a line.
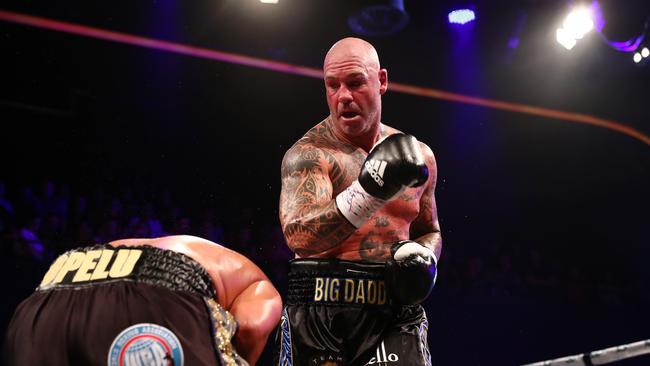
357,208
175,300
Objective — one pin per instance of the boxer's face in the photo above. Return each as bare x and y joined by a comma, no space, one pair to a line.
353,87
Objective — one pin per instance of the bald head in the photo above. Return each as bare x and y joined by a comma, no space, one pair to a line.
354,84
352,49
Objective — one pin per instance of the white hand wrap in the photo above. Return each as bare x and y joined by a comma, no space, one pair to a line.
412,248
357,205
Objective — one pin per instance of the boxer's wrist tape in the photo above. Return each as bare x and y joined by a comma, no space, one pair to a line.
409,247
357,205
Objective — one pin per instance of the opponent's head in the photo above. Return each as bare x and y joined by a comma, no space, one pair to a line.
354,83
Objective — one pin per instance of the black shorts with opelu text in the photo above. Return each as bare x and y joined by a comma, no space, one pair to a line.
116,306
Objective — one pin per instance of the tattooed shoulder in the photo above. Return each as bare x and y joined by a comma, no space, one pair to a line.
323,135
298,158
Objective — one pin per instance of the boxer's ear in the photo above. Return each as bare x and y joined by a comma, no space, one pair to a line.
383,81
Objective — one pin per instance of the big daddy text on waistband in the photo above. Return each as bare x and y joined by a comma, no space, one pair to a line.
336,282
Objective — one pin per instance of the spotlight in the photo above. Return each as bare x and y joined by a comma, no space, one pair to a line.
269,1
578,23
637,57
461,16
575,26
645,52
565,39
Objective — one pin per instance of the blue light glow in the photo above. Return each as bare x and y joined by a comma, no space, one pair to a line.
461,16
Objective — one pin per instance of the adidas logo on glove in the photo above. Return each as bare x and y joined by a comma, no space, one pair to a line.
376,169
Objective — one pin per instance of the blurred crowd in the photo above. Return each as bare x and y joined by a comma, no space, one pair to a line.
40,221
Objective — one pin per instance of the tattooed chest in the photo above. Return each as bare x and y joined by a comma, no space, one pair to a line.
373,240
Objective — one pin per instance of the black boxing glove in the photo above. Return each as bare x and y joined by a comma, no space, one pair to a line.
411,272
392,165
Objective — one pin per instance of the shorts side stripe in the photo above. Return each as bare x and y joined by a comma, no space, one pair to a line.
286,353
424,346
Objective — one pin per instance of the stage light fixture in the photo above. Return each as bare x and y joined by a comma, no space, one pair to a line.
565,39
576,24
645,52
461,16
637,57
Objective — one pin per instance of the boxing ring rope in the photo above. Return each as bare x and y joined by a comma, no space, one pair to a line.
600,357
233,58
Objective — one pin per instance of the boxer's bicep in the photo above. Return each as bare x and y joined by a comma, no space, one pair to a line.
310,220
248,294
306,186
425,229
257,310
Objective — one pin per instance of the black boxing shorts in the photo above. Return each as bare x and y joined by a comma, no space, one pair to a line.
340,313
123,306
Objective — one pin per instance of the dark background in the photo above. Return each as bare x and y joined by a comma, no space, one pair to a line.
545,223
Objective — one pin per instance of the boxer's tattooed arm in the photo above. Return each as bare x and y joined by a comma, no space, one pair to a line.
425,229
308,214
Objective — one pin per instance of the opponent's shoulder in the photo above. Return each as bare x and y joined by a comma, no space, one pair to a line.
217,255
170,240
